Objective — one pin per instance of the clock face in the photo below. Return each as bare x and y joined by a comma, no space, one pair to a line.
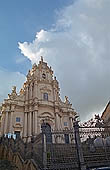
43,76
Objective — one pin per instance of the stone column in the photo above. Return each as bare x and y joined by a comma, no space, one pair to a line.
57,121
26,93
11,121
33,124
6,123
61,125
36,121
35,89
25,124
30,124
2,123
54,95
71,122
30,91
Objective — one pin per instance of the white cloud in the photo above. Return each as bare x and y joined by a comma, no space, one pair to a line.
78,50
9,79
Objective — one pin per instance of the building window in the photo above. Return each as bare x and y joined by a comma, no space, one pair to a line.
45,96
65,124
43,76
17,119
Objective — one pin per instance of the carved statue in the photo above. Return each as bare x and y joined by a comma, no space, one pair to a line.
14,89
29,75
21,91
66,100
13,93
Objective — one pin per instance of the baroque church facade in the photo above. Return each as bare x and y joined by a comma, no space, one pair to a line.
38,101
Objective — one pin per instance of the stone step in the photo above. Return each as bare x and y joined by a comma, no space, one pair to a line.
7,165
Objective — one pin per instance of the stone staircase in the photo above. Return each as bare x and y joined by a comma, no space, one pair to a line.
57,156
62,156
7,165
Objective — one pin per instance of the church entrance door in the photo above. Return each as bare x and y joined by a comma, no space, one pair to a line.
66,138
48,133
17,133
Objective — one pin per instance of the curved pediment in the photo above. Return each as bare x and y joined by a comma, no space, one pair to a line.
46,114
17,125
45,88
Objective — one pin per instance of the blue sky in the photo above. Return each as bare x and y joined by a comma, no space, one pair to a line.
74,38
19,21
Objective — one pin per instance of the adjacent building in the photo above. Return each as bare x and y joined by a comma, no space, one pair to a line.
106,114
38,101
0,120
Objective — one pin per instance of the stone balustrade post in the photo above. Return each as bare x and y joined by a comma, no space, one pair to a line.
32,149
81,162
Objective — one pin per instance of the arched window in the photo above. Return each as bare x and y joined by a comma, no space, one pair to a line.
45,96
43,76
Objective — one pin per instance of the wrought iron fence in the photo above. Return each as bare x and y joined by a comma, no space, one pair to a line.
95,146
76,149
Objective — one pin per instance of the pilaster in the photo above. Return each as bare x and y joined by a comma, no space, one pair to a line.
30,124
35,89
71,122
6,123
11,121
30,91
36,121
57,121
27,92
33,124
25,124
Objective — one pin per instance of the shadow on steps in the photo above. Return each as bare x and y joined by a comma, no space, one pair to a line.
7,165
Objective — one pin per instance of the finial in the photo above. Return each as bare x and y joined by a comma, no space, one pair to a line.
66,100
21,91
34,65
14,89
41,58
